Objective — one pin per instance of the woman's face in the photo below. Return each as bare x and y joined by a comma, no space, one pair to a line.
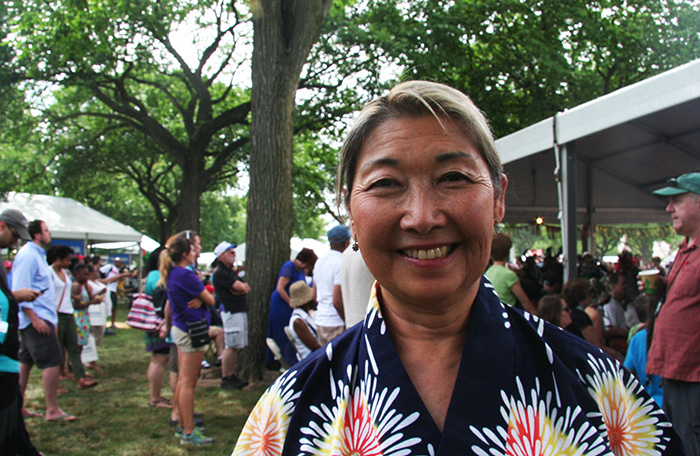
64,263
81,276
565,315
422,208
191,256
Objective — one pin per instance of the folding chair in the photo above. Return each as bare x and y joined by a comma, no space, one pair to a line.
275,349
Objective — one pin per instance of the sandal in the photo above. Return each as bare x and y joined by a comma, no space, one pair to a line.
161,403
64,417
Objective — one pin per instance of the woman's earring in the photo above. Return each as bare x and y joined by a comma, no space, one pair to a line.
497,227
355,246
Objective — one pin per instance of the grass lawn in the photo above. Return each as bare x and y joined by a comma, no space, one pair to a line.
114,417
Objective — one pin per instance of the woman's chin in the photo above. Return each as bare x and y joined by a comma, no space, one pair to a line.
431,294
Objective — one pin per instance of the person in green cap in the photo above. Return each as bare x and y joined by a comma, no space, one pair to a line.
674,354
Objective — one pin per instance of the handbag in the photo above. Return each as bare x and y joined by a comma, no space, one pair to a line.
199,332
142,314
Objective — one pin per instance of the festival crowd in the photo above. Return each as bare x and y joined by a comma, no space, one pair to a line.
415,334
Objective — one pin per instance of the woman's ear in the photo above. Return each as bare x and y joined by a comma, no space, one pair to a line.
499,202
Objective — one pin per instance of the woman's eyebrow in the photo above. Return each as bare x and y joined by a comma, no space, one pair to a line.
448,156
380,162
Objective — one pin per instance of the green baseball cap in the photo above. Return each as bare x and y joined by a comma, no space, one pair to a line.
682,184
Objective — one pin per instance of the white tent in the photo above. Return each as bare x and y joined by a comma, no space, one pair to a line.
295,244
69,219
598,163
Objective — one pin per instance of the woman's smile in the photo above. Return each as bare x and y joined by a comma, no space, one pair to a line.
422,207
428,254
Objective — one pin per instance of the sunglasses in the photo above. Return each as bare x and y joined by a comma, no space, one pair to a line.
672,182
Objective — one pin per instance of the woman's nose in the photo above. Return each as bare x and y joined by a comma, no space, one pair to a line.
423,212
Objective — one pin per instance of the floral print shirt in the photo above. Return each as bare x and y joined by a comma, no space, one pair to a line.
524,387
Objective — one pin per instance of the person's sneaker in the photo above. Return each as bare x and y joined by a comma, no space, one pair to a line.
232,382
180,430
205,364
197,438
199,422
110,331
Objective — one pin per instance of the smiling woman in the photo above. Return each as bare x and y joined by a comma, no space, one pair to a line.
440,365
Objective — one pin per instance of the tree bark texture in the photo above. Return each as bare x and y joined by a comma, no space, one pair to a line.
191,188
284,31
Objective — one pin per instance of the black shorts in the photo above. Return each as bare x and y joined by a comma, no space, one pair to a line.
113,298
35,348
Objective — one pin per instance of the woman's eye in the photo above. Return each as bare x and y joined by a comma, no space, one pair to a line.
384,183
454,177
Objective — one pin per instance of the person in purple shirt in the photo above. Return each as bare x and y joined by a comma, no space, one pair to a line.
189,303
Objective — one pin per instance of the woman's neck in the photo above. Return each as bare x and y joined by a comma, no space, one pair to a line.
430,346
415,324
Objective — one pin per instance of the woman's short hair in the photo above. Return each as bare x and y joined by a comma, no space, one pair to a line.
413,99
58,252
307,256
78,267
153,259
500,247
576,291
549,308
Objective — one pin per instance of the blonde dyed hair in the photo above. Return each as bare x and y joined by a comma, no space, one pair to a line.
414,99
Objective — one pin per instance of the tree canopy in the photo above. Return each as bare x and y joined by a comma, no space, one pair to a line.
522,61
121,94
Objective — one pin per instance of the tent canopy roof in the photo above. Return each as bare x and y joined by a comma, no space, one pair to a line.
69,219
626,144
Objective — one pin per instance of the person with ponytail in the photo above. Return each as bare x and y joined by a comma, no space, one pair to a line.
189,303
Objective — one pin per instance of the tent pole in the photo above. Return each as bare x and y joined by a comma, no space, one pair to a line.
140,280
589,240
567,183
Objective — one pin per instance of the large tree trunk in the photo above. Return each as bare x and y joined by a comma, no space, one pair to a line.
191,189
284,31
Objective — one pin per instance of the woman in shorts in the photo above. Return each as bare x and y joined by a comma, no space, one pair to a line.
189,303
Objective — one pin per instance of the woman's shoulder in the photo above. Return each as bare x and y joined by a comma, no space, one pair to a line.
558,343
287,268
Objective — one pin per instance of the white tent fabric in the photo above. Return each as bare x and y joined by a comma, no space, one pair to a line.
69,219
296,244
625,145
598,163
147,243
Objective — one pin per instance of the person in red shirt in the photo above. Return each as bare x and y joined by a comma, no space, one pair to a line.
674,354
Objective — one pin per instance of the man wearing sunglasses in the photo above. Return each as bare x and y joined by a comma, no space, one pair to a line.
675,349
13,434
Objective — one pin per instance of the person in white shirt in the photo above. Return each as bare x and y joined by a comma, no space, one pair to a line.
112,274
301,323
356,286
330,316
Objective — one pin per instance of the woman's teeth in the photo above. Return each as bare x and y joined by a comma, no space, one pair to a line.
430,254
